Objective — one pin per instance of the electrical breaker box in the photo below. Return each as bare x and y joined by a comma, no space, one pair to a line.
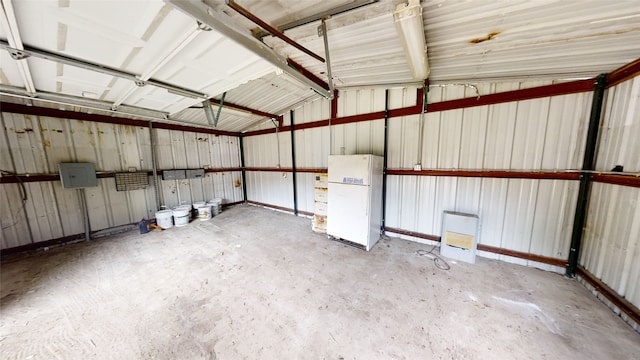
459,236
77,175
195,174
174,175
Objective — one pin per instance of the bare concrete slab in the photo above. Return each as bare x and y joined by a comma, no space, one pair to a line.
256,284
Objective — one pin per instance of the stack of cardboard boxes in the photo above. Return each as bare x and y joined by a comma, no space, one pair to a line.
319,223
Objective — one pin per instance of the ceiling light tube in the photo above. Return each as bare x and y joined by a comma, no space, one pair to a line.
410,27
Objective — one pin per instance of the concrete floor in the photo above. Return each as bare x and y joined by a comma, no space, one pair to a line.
257,284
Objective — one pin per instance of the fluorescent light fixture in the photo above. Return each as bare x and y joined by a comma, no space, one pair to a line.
408,20
208,112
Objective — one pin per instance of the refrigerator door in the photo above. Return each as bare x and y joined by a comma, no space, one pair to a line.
350,169
348,212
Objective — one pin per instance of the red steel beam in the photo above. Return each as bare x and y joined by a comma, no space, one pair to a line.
509,96
334,105
523,255
491,249
12,179
490,174
620,302
623,180
244,108
65,114
249,15
268,169
280,169
515,95
623,73
311,76
312,170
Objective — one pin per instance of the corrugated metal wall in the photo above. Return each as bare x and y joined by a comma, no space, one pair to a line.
269,151
526,215
611,244
35,145
189,150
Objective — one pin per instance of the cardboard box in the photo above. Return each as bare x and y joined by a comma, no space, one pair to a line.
319,224
320,208
322,181
321,195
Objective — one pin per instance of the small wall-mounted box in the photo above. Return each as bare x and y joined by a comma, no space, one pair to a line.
195,174
77,175
174,175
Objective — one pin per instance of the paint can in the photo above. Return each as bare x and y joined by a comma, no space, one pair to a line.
181,215
204,212
164,219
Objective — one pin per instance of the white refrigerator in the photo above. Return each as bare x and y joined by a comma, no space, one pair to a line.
354,206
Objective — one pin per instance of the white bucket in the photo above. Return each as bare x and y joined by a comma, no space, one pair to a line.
164,219
204,212
181,215
216,206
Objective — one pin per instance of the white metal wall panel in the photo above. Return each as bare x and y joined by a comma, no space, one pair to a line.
37,144
270,150
188,150
360,101
305,189
525,215
273,188
358,138
312,147
318,109
611,243
620,129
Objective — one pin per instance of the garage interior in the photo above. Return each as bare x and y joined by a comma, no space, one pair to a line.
519,115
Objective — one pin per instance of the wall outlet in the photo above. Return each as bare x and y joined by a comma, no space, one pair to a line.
417,167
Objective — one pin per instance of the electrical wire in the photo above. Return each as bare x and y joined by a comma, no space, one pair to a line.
23,190
439,262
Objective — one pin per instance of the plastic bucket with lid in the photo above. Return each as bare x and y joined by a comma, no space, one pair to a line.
164,219
181,215
204,212
216,205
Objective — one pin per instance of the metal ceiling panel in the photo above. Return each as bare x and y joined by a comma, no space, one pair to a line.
488,39
467,40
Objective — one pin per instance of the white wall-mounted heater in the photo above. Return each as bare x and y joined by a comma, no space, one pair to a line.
459,236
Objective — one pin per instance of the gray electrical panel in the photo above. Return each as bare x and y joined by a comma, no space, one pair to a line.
195,174
459,236
77,175
174,175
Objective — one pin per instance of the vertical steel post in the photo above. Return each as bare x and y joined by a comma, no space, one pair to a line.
244,175
588,165
384,163
293,164
85,214
154,166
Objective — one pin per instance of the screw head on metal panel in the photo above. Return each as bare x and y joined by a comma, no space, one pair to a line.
140,83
